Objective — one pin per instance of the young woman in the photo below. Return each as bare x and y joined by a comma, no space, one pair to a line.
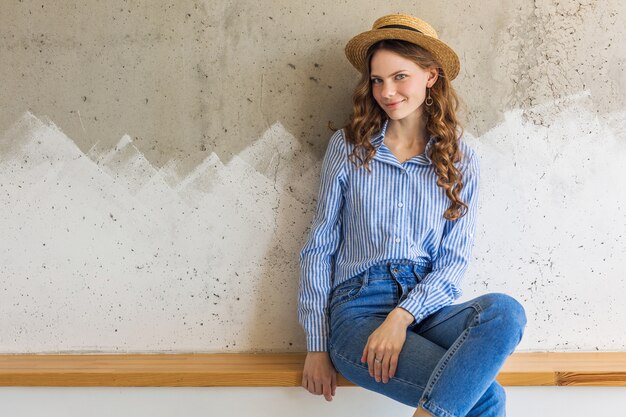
392,237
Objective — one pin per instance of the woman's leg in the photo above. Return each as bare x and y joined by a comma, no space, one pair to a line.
479,335
492,402
416,362
443,362
357,308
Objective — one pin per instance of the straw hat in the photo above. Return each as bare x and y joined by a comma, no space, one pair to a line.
408,28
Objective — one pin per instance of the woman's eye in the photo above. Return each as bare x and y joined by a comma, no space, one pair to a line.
375,80
401,75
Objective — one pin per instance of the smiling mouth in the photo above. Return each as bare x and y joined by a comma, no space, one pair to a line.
393,104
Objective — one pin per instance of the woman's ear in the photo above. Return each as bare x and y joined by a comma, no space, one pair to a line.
433,76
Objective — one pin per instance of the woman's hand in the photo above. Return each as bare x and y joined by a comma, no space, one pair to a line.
385,343
319,375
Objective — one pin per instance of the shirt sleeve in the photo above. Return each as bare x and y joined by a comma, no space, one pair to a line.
317,255
442,285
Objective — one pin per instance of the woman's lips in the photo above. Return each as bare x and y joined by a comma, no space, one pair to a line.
392,105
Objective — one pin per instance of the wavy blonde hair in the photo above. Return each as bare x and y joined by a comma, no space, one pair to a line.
368,117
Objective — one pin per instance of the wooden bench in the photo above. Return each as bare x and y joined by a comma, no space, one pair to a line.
275,370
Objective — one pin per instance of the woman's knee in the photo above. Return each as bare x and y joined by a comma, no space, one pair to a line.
506,309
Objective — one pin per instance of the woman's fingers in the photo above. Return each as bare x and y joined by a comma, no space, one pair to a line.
379,364
326,390
319,375
365,350
320,387
382,366
386,368
393,364
323,388
310,385
370,363
384,344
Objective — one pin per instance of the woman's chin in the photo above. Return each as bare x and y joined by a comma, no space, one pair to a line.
394,115
399,115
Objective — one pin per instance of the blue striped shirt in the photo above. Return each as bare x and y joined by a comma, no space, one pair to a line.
393,212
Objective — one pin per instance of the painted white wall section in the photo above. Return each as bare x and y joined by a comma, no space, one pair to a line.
107,253
552,224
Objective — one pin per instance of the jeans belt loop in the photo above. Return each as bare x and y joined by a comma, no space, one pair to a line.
366,277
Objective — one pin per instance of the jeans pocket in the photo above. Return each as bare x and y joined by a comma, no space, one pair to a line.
347,290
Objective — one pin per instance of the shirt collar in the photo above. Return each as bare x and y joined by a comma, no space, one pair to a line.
377,141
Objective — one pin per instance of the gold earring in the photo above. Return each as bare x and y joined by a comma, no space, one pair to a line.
429,100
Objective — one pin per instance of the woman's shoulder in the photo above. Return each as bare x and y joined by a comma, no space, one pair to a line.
469,158
337,142
335,157
338,136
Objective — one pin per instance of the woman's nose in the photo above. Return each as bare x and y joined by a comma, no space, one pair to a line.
388,90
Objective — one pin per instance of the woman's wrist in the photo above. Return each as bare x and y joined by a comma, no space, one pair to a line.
402,316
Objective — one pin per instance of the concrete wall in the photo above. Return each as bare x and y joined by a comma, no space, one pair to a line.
159,163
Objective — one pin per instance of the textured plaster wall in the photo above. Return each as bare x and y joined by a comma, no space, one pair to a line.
159,164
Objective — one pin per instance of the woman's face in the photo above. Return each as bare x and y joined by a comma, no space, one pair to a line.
399,84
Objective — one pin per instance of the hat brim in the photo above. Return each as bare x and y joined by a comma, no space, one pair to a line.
356,48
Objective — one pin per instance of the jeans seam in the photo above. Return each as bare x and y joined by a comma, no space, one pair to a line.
451,352
349,362
453,349
479,310
436,410
447,318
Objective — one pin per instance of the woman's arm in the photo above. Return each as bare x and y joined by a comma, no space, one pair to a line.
316,263
317,255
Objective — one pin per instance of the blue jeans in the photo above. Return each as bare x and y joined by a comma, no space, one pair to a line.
449,361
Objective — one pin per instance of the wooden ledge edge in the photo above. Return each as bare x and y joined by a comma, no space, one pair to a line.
274,370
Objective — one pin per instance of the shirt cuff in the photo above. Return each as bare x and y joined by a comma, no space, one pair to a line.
317,344
414,308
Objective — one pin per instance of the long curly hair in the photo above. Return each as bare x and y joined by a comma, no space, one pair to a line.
368,117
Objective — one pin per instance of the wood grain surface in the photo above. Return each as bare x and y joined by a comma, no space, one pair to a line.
275,370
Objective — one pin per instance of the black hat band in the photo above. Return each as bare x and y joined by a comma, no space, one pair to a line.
400,27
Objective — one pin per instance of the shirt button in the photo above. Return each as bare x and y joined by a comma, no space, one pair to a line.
397,240
400,204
